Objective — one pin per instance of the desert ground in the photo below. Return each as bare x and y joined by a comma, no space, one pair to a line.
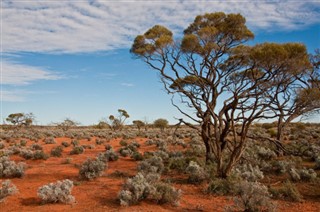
177,150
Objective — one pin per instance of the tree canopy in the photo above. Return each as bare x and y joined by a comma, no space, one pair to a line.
228,85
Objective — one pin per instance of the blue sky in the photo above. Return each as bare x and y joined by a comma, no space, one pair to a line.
70,59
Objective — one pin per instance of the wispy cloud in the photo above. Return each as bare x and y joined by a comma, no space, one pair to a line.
12,96
97,25
127,84
13,73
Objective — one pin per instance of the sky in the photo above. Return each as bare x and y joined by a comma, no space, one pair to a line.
70,58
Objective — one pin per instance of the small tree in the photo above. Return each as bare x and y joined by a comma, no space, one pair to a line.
21,119
67,124
118,122
139,124
161,123
226,84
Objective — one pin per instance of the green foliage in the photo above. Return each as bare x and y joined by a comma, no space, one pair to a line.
161,123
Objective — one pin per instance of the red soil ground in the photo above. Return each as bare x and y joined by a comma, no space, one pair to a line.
101,193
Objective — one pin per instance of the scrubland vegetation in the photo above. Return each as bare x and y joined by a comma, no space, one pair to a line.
159,167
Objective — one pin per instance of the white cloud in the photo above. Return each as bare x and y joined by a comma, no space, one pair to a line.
98,25
18,74
12,96
127,84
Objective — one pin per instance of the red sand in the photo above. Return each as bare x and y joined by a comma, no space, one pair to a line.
101,193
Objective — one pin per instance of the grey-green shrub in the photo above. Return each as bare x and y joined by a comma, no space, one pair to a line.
57,192
249,172
92,168
56,151
165,193
151,165
10,169
77,150
196,173
134,190
252,196
109,155
7,189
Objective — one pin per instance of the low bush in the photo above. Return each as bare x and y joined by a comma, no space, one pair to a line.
7,189
49,141
165,193
151,165
288,192
109,155
252,196
10,169
65,143
57,192
36,147
40,155
222,187
92,168
134,190
77,150
56,151
196,173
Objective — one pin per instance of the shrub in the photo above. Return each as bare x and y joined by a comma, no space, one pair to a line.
249,173
221,187
1,145
165,193
65,144
77,150
7,189
178,163
252,196
109,155
57,192
123,143
124,151
134,190
196,173
36,147
302,174
10,169
137,156
26,154
75,143
40,155
49,141
92,168
265,153
151,165
288,191
56,151
23,142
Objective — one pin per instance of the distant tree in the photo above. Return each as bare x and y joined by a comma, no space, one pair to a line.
139,124
161,123
21,119
102,125
66,124
225,84
118,122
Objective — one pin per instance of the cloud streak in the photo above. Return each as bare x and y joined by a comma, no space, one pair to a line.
18,74
99,25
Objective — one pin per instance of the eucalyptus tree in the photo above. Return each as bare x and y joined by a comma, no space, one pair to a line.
226,84
117,122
